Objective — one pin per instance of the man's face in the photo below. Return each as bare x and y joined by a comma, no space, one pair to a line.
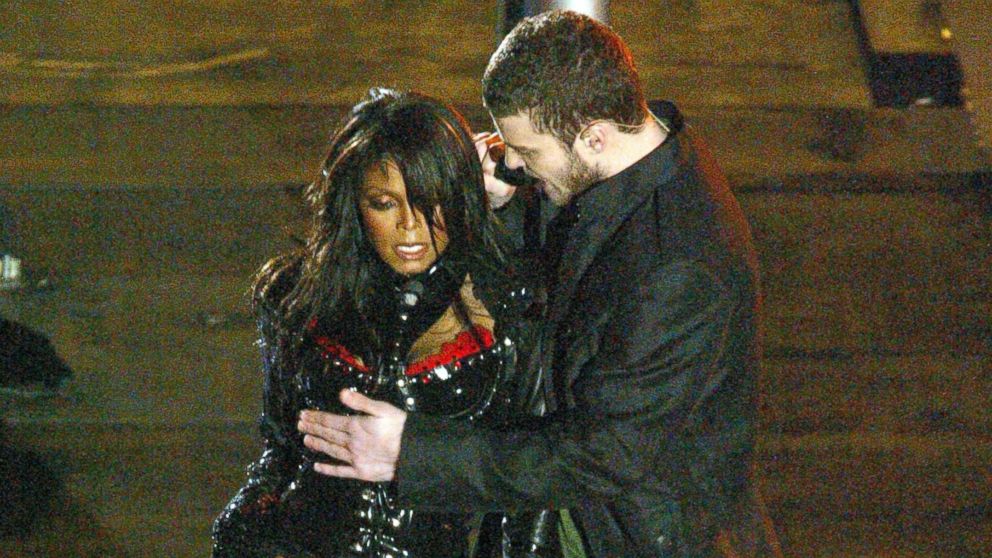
542,156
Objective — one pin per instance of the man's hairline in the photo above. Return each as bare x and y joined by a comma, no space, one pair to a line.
527,114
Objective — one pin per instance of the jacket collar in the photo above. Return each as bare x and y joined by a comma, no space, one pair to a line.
599,212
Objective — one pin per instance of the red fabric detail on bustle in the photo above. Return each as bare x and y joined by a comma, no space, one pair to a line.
333,349
463,345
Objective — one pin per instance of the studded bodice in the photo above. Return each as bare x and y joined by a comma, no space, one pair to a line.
462,381
287,509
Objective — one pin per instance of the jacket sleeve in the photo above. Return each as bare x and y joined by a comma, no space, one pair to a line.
511,218
657,359
522,533
247,527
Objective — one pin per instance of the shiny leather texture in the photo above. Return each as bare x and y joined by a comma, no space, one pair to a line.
286,509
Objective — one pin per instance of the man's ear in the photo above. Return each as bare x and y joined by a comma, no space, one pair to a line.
592,140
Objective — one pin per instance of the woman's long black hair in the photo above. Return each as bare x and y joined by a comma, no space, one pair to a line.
330,277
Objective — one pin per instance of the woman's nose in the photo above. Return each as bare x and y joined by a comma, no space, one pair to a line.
409,218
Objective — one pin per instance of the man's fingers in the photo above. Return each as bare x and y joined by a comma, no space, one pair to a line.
487,138
337,434
334,436
360,403
494,139
482,150
327,420
332,450
351,472
488,146
342,471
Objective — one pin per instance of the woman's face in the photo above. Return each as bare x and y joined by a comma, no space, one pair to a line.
398,232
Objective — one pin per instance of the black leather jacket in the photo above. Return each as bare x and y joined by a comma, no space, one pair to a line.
652,349
286,509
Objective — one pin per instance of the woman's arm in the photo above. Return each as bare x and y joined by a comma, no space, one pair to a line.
246,526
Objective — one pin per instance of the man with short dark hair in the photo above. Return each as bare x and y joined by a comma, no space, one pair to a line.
650,334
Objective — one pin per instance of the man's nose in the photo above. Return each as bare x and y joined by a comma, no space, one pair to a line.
513,161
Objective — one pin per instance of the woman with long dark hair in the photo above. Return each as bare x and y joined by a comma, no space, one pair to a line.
402,292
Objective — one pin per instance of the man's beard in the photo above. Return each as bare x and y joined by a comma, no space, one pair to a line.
575,179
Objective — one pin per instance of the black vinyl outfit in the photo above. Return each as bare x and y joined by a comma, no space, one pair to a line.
287,509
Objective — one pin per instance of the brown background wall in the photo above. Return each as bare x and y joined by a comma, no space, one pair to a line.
150,155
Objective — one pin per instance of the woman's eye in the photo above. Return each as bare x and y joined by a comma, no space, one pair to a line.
382,203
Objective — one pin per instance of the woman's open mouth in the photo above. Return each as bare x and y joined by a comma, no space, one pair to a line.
411,251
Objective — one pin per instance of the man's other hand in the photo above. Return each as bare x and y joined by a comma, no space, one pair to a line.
490,148
365,446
